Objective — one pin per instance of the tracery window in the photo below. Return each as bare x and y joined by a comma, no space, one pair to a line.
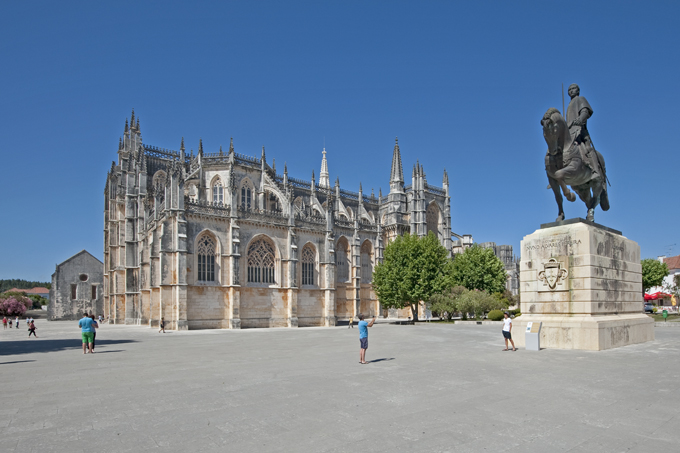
261,261
308,261
341,260
246,197
432,219
217,191
366,262
206,259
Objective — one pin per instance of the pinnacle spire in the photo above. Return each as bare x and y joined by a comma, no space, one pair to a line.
200,146
126,125
181,146
446,177
285,168
397,174
360,189
221,153
274,165
132,119
264,158
323,175
139,130
231,145
120,142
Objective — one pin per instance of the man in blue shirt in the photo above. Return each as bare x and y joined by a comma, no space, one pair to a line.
363,337
87,327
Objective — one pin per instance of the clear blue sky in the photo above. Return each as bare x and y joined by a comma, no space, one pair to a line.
463,85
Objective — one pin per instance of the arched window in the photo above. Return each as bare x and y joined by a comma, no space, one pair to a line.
432,219
246,196
366,262
342,260
158,181
261,261
217,190
308,261
206,259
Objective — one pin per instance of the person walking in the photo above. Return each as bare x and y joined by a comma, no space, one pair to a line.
363,337
16,321
86,329
10,323
94,331
351,322
4,322
162,326
507,329
31,330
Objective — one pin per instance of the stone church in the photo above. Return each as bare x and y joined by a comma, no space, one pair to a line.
222,240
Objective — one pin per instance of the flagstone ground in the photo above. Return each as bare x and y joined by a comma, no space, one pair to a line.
429,388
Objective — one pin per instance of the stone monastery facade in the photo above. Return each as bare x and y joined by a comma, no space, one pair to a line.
221,240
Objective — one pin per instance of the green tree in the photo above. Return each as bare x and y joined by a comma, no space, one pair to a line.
478,268
445,305
413,269
653,273
479,303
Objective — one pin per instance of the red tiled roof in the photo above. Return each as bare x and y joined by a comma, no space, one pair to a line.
672,262
36,290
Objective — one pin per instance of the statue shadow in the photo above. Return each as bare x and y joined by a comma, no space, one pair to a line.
16,361
40,346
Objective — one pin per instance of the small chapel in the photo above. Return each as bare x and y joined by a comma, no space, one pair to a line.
223,241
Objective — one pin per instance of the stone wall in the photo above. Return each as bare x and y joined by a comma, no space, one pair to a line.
85,272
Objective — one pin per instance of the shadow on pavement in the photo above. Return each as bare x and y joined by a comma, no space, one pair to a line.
38,345
380,360
16,361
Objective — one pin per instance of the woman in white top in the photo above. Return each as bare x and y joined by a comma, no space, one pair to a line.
507,329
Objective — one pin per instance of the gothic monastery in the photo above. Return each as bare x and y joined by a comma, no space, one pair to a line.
221,240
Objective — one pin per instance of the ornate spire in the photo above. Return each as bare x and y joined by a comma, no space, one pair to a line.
372,193
397,175
181,146
221,153
264,158
126,125
446,177
414,171
139,130
360,190
323,176
200,146
132,119
337,181
231,145
274,165
120,142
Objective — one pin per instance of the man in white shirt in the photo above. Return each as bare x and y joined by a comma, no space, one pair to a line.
507,328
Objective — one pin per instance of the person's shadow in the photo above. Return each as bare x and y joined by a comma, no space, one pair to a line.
38,345
380,360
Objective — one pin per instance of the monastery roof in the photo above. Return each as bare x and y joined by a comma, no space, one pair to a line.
36,290
78,254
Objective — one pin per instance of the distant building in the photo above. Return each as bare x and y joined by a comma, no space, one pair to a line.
511,262
76,288
37,291
668,286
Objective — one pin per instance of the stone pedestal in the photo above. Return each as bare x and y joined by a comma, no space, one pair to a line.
583,281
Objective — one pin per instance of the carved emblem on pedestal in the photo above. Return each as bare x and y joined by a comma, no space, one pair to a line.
553,275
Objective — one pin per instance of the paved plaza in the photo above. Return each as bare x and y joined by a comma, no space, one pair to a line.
429,388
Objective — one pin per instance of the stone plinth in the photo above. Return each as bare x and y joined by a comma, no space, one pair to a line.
583,281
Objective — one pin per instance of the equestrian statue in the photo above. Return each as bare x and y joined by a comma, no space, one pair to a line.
571,159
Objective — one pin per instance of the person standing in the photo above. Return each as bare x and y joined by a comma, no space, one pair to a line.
363,337
162,326
507,329
16,321
94,331
31,330
10,323
351,322
86,330
4,322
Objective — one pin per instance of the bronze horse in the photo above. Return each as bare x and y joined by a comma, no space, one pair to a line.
570,163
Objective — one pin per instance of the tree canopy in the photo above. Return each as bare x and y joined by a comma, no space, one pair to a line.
413,269
478,268
21,284
653,273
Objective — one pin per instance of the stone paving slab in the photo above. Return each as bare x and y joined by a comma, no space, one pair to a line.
429,388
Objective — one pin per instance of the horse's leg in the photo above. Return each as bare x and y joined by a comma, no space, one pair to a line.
584,195
559,178
555,186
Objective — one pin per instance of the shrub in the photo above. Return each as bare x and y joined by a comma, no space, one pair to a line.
12,307
518,314
495,315
655,309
